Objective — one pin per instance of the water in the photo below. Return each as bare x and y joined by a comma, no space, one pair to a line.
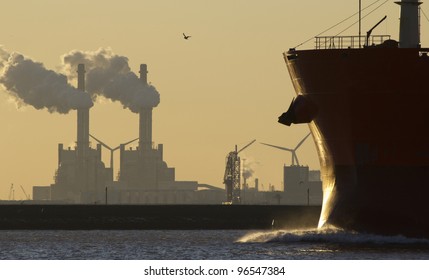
207,244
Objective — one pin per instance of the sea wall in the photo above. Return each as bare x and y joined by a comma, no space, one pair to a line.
157,216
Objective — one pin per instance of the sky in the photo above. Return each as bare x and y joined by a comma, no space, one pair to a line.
225,86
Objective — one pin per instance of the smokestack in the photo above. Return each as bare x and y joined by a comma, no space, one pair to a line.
82,117
409,29
143,73
145,123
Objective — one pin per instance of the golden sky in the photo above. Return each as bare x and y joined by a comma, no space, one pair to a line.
224,86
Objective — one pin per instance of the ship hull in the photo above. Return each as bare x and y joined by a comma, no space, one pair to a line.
369,130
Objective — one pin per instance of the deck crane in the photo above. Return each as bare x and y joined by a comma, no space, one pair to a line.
231,179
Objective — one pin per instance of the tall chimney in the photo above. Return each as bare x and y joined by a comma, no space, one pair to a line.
82,118
409,29
145,123
143,73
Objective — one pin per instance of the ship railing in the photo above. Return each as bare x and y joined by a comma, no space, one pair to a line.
348,42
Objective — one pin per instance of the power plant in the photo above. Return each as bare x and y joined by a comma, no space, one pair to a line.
144,173
144,168
144,177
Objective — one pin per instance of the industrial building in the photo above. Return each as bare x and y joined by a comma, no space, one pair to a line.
144,177
144,174
81,175
301,186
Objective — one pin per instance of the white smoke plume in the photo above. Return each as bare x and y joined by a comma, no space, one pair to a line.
247,172
30,83
249,168
110,76
4,55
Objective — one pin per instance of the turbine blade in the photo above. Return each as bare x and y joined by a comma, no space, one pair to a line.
247,146
302,141
102,144
278,147
126,143
129,142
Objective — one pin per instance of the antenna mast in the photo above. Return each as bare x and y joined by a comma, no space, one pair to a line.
360,24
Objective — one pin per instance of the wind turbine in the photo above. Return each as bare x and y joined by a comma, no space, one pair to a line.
293,151
111,149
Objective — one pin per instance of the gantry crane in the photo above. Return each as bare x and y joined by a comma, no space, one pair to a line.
231,178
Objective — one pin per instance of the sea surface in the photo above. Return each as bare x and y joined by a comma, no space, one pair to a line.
311,244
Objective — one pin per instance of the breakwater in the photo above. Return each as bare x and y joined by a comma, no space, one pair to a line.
37,216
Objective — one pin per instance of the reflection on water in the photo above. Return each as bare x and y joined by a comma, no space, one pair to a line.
208,244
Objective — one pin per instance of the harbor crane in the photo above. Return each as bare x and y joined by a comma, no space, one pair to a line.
293,151
231,178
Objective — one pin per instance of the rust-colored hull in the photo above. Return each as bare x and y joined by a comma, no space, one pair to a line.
371,135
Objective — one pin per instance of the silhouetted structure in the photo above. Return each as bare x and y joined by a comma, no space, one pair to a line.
374,164
300,185
232,177
81,175
144,174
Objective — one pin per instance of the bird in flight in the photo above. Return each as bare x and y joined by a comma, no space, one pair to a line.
186,37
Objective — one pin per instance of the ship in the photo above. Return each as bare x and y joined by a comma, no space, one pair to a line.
366,101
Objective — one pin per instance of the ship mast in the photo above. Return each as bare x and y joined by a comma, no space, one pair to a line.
360,21
409,33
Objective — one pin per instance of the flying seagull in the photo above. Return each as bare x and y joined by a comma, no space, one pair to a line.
186,36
